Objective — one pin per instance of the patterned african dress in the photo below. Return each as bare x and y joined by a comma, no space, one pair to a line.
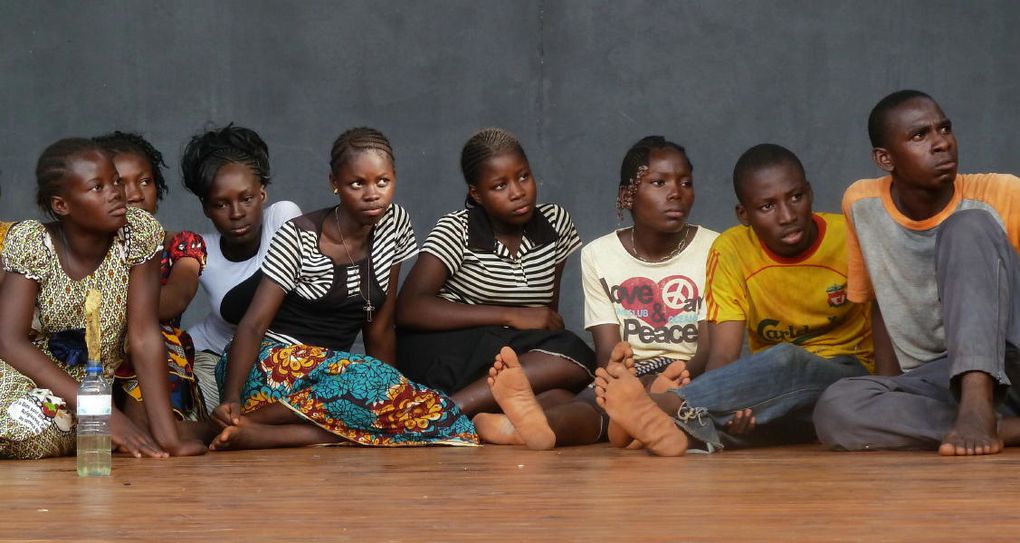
185,396
35,423
304,363
4,228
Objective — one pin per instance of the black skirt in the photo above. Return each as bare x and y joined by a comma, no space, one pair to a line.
452,359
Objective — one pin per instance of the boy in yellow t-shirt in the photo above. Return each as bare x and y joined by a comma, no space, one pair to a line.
781,277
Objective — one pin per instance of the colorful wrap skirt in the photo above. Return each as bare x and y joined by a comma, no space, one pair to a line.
185,396
353,396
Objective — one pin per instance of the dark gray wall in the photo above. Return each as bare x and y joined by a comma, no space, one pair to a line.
577,81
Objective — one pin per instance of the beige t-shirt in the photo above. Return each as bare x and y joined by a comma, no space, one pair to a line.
656,305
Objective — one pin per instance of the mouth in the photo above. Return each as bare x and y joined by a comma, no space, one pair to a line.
946,166
523,210
675,213
119,211
240,231
373,211
792,237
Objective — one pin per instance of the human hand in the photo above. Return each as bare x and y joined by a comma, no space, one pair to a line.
743,422
535,318
127,437
227,414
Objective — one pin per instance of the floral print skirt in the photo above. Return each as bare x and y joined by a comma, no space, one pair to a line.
353,396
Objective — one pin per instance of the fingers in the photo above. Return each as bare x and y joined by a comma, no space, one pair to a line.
743,422
139,445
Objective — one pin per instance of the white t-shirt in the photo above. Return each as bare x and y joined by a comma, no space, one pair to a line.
656,305
221,276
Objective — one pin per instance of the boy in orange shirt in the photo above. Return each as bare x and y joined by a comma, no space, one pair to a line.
937,252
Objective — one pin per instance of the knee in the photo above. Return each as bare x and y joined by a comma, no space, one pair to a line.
967,226
841,409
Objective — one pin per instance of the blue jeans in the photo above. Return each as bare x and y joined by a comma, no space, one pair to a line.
780,385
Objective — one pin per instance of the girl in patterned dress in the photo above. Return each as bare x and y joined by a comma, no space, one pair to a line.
288,378
139,166
95,242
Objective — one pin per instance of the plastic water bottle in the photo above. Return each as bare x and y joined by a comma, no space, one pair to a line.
94,409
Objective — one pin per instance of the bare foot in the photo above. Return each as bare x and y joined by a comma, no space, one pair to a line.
253,435
496,429
623,354
674,376
513,393
625,400
975,431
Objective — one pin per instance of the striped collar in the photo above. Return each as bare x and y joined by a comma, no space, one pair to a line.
481,236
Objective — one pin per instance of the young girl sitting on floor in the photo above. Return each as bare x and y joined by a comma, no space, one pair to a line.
95,242
489,276
139,166
287,379
228,169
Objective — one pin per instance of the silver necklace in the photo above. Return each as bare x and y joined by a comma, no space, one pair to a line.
684,242
368,307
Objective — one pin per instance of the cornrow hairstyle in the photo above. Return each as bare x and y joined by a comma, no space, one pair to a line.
358,140
759,157
879,116
637,156
118,142
483,145
54,164
635,164
206,153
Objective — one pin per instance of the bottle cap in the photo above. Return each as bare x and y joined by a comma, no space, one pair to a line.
93,367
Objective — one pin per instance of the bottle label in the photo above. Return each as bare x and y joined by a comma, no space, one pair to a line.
93,405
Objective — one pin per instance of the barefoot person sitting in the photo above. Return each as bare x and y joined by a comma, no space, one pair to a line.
642,284
937,252
781,276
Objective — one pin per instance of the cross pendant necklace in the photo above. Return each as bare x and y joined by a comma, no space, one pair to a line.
368,308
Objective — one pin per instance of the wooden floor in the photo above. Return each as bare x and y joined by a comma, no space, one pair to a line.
510,494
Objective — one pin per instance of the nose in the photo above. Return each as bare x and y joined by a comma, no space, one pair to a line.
785,214
132,193
236,211
941,142
371,193
516,190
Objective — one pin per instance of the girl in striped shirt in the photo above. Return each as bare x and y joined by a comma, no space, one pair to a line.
288,378
489,276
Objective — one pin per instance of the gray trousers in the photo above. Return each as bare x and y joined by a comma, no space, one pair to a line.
978,275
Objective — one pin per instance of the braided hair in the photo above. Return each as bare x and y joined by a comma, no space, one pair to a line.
118,142
635,165
483,145
358,140
55,163
206,153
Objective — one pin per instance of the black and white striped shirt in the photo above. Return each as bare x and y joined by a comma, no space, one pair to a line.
482,270
324,299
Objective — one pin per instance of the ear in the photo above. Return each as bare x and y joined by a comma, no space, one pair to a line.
742,215
59,206
334,186
883,159
262,193
473,194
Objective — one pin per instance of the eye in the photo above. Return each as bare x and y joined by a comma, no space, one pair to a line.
524,177
766,207
500,186
687,183
797,197
947,128
382,182
357,184
657,182
98,187
145,182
